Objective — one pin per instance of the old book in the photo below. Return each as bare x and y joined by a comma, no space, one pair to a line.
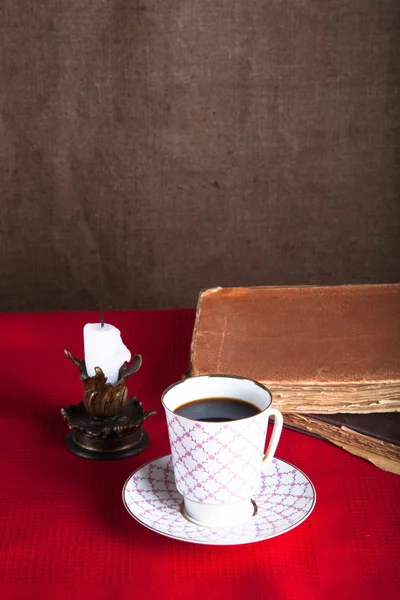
375,437
333,349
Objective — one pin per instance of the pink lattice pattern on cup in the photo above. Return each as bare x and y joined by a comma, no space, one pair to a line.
217,462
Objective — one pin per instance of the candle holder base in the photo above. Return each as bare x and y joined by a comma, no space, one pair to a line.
106,438
79,445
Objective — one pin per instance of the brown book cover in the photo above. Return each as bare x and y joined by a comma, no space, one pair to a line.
332,349
375,437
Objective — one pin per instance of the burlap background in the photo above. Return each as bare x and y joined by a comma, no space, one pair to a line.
153,147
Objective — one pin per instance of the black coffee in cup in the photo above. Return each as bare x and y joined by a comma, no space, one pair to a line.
217,410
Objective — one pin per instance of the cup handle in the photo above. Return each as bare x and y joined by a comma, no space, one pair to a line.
276,434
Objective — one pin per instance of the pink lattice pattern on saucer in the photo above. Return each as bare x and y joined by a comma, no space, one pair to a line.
286,498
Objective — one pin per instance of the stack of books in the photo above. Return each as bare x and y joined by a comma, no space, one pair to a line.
330,356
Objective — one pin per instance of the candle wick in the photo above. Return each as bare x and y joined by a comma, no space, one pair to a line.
102,320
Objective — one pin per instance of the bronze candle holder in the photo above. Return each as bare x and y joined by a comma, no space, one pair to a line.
106,425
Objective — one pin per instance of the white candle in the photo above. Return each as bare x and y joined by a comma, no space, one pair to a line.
104,348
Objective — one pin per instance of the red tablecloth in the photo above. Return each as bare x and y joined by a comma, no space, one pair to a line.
66,534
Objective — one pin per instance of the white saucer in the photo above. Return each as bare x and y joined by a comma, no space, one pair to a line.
286,498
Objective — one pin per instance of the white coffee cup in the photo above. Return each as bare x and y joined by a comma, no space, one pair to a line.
218,465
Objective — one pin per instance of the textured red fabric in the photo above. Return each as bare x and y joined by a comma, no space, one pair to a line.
66,535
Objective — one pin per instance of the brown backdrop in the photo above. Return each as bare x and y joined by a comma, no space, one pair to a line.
153,147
